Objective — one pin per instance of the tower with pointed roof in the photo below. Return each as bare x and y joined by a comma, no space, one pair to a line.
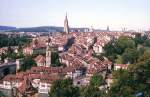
66,27
48,53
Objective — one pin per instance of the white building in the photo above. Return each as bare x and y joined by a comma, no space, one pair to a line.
97,48
120,66
44,87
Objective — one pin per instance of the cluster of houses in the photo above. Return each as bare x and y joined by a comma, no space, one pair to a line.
39,79
80,63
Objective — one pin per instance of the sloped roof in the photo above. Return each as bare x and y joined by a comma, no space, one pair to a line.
40,59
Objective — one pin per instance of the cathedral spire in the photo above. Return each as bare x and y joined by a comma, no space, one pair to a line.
66,27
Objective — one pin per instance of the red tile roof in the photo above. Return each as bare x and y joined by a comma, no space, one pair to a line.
40,59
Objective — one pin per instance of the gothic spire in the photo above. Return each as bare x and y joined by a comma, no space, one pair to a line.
66,27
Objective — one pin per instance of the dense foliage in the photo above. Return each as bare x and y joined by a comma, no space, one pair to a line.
55,62
96,80
11,54
136,79
64,88
28,62
13,41
90,91
93,89
125,49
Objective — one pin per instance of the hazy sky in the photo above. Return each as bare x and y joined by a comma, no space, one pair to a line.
133,14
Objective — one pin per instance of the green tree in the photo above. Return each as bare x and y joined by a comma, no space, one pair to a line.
119,59
122,43
55,60
28,62
54,57
130,55
109,48
93,89
121,86
117,47
64,88
141,72
147,43
96,80
90,91
135,79
5,40
139,39
10,51
12,55
110,51
20,47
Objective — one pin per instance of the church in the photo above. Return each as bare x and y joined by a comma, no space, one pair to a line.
46,60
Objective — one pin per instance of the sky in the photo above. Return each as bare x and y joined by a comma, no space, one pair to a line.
132,14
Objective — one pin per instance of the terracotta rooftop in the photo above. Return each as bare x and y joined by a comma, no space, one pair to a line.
40,59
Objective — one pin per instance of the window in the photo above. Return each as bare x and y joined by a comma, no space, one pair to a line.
42,85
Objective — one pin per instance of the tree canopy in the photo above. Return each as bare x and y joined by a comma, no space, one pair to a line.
28,62
13,41
130,55
64,88
126,49
90,91
96,80
136,79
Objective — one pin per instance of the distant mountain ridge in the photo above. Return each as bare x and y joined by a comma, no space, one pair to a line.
38,29
4,28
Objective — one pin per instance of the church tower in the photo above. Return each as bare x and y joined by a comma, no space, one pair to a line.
66,27
48,53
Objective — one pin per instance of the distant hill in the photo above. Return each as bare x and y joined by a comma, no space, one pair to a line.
39,29
5,28
42,29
